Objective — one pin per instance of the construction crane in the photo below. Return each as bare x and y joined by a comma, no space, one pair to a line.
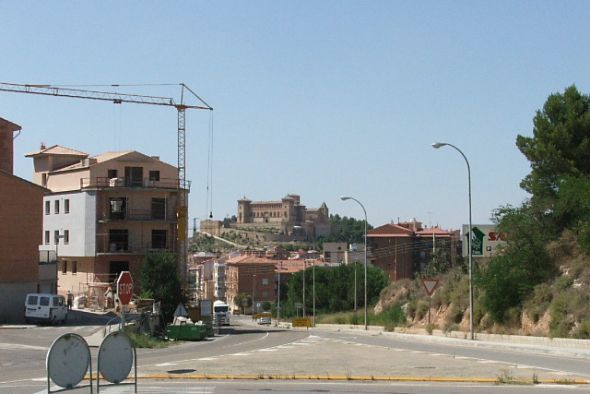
119,98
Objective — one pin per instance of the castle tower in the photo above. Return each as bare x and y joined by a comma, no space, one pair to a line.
244,210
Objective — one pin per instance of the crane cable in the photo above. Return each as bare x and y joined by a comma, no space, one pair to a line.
209,207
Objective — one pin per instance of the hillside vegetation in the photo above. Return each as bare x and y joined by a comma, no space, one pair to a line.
537,285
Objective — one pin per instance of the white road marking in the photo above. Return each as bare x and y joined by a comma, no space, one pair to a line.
16,346
165,364
239,354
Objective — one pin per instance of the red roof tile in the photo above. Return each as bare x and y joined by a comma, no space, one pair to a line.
389,230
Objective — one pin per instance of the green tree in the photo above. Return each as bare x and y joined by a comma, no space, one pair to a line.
560,146
334,288
345,229
159,281
559,183
243,300
512,275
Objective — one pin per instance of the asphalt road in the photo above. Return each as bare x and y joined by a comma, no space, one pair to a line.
334,361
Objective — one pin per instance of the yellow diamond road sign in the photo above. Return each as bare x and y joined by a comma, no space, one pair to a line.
429,285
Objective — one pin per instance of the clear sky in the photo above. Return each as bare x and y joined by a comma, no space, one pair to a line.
318,98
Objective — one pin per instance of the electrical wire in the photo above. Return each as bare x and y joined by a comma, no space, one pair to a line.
209,186
211,151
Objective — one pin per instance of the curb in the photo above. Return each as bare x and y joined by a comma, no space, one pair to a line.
433,379
582,350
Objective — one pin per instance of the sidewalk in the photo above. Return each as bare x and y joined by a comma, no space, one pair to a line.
560,346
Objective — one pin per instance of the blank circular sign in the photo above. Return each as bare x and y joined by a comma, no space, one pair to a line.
115,357
68,360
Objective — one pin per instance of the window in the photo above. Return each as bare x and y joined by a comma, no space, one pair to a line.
58,301
64,267
74,267
159,208
56,237
32,300
158,239
56,206
117,208
44,180
134,176
66,237
46,237
112,174
44,301
118,240
264,281
47,207
67,205
154,175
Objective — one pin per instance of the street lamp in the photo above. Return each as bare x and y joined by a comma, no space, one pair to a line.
344,198
438,145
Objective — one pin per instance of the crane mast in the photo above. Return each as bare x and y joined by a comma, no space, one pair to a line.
119,98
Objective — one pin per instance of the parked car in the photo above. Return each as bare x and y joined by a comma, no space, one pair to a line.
46,308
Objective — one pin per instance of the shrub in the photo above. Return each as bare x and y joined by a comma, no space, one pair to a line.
583,330
421,309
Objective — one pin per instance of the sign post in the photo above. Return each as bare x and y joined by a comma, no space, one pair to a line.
429,285
124,291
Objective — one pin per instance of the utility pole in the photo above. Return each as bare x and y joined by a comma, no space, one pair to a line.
313,292
279,294
304,266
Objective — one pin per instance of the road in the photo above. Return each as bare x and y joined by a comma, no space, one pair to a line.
333,361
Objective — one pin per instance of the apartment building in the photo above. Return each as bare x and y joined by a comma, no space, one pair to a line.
251,275
21,222
104,213
405,248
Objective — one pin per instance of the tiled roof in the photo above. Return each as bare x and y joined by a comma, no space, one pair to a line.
437,231
246,259
8,125
389,230
110,155
57,150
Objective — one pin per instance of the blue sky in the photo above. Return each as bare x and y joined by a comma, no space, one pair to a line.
322,99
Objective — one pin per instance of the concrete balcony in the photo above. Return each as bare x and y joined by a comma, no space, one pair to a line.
145,183
144,215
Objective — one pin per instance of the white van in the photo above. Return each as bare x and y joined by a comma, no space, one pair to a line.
43,307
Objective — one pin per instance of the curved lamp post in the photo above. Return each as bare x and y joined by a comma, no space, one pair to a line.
438,145
344,198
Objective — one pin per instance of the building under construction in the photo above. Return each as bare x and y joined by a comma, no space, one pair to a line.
104,213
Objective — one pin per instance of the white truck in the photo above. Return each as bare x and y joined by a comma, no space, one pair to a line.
221,313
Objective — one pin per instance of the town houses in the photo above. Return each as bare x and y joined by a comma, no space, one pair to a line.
83,219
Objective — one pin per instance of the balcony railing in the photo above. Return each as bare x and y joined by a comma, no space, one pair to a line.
104,183
137,214
128,248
